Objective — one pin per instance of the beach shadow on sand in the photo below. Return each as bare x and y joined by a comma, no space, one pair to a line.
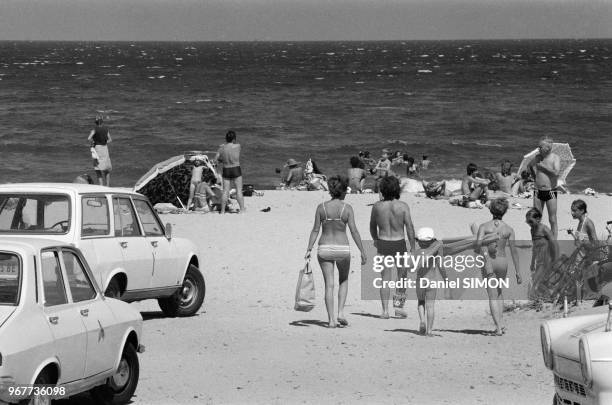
308,322
468,331
368,315
148,315
413,331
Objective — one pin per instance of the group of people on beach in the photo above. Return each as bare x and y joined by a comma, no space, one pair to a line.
393,233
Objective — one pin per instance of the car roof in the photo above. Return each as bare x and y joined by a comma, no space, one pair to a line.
58,187
9,243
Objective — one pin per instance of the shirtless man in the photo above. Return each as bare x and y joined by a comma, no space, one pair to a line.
496,262
545,168
229,156
389,218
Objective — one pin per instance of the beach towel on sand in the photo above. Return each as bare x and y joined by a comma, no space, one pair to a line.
305,290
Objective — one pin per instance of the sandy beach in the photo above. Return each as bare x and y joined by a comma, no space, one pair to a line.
248,345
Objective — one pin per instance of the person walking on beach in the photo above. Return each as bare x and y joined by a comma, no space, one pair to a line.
229,156
99,138
390,224
496,262
544,252
332,217
545,168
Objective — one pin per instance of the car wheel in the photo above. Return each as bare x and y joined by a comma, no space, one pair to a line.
114,289
189,298
42,379
120,388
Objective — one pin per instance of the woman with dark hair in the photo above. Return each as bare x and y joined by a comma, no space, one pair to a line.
331,219
99,137
356,175
496,262
229,156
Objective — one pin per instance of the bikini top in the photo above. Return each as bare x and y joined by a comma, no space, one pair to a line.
333,219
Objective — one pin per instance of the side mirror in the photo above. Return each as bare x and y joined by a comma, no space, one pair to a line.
168,232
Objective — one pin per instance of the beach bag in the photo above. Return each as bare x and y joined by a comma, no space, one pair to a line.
305,290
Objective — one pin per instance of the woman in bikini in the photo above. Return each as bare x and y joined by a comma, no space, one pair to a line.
586,242
496,262
333,216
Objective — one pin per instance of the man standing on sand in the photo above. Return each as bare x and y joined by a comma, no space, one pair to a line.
229,156
389,218
545,168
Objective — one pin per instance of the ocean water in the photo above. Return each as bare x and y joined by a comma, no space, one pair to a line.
456,101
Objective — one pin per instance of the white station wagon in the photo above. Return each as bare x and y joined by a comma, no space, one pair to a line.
58,331
578,350
132,255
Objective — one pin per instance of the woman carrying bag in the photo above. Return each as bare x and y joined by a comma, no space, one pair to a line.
333,216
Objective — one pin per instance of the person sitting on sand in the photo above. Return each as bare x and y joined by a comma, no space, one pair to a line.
196,178
295,174
356,176
390,224
208,196
505,178
315,179
84,178
472,186
332,218
524,185
496,262
430,248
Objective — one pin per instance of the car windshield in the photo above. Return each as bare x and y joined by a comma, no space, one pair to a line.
34,213
10,279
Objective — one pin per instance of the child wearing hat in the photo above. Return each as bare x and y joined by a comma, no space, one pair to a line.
431,251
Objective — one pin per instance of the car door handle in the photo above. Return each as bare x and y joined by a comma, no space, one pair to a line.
154,243
123,244
54,319
85,312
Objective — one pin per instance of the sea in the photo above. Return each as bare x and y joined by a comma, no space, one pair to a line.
460,101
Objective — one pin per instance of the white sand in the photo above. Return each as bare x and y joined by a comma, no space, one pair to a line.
248,346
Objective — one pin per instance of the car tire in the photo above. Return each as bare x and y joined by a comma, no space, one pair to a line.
119,388
189,298
42,379
114,289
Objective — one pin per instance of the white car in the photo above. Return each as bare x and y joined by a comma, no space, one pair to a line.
58,331
578,350
132,255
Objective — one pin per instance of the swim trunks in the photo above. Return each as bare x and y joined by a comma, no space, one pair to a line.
232,172
545,195
334,253
391,247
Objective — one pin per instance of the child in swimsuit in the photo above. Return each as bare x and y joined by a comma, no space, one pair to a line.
430,248
196,178
543,254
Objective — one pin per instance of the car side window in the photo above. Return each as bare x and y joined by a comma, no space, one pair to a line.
96,219
53,282
80,285
126,223
150,223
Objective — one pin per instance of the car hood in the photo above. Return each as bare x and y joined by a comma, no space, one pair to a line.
566,345
5,313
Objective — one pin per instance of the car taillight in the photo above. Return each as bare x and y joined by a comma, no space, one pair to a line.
546,347
585,361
